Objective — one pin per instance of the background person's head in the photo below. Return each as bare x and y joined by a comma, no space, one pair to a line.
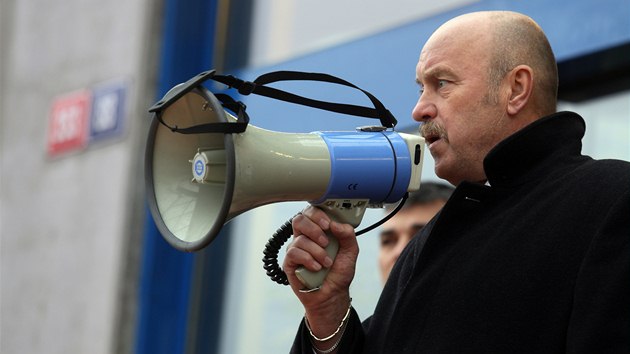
483,76
396,232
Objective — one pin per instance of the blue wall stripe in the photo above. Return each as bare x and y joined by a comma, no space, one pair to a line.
165,284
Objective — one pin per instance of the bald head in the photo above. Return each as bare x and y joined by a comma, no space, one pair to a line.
512,39
518,40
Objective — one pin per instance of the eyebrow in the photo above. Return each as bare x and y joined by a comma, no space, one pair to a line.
392,231
387,232
437,71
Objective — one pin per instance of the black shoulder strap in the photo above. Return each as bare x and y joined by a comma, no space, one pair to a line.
259,87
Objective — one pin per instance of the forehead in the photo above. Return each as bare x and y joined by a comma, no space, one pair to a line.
457,48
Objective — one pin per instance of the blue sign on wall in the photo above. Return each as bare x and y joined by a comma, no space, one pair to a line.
108,109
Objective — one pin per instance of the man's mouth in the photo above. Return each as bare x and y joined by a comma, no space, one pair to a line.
432,132
430,139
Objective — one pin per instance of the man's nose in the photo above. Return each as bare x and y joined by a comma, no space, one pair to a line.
424,110
400,246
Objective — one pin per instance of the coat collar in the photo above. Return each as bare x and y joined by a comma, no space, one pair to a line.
536,149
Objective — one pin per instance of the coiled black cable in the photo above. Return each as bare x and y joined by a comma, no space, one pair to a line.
272,248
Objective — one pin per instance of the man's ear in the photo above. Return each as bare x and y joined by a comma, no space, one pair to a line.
521,84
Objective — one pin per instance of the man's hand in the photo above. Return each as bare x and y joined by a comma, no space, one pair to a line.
326,307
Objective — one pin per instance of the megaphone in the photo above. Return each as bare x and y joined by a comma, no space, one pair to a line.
197,182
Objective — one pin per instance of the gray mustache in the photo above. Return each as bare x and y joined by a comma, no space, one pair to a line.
431,129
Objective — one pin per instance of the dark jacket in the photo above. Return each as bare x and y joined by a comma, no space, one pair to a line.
537,262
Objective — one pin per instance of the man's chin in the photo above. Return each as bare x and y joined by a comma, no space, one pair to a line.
440,173
444,172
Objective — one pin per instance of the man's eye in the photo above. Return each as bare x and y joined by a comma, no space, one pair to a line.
442,83
421,90
387,241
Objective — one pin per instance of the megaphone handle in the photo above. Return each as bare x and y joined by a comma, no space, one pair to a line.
340,210
314,280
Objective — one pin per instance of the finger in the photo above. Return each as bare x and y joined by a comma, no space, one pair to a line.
318,216
297,257
316,252
341,231
303,225
303,251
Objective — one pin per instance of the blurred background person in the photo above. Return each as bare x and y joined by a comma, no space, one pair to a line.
396,232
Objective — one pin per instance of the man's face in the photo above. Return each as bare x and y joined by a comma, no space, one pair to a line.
461,118
400,229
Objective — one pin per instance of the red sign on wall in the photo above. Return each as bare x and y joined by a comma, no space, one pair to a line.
68,126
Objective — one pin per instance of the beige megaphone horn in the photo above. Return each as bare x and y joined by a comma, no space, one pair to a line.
197,182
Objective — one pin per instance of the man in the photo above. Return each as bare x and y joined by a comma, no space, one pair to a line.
531,254
417,211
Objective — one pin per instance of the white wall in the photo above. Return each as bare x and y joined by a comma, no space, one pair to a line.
283,29
70,224
607,125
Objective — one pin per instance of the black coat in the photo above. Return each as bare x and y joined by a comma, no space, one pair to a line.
537,262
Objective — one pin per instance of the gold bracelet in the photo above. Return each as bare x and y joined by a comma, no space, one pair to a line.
336,331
